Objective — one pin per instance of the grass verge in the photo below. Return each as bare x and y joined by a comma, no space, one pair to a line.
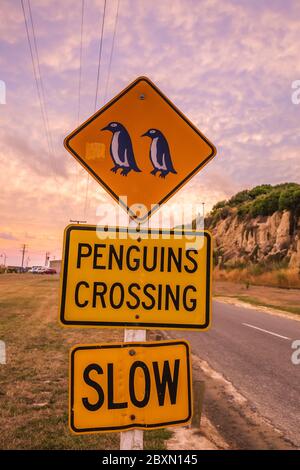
34,382
256,275
254,301
287,300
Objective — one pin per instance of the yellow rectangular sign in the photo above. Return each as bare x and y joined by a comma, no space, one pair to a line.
152,278
119,386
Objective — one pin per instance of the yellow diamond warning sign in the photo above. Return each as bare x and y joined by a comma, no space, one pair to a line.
114,387
140,148
114,276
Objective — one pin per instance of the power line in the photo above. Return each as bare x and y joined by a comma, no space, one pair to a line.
111,51
79,87
40,77
35,76
100,55
39,92
96,98
80,63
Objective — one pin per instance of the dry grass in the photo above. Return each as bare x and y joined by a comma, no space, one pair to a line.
254,275
282,299
34,382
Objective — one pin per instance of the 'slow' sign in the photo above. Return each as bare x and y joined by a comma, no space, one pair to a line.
122,386
118,277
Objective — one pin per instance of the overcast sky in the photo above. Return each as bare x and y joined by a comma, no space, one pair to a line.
228,65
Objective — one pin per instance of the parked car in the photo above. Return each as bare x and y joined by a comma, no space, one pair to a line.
49,271
12,269
37,269
33,269
40,270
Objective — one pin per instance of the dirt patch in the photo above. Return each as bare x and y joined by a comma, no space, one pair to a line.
204,438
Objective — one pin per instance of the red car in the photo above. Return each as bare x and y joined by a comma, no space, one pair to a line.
49,271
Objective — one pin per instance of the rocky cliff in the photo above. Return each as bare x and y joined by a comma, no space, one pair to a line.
261,239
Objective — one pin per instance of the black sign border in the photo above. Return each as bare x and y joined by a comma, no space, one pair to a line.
102,182
134,324
134,425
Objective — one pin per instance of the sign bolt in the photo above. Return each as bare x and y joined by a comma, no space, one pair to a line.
142,96
132,417
132,352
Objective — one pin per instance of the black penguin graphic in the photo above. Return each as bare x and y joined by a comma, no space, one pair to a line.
159,153
121,150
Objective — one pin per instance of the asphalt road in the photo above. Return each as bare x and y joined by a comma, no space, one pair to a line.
253,351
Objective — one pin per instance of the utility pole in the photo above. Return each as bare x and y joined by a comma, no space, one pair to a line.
4,256
23,251
47,258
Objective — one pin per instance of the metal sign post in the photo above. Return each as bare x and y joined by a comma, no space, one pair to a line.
133,440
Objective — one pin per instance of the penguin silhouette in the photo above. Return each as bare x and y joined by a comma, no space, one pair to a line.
121,150
159,153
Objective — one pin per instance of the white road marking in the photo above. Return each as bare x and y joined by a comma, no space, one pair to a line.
266,331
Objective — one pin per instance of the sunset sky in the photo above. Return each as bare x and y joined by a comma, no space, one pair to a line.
228,65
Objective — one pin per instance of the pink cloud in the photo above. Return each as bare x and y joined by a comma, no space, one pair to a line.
227,65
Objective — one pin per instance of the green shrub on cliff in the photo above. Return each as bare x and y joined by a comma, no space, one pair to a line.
263,200
290,199
259,190
239,198
265,204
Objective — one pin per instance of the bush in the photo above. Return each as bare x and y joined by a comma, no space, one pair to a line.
282,280
290,200
218,215
218,206
266,204
257,269
264,199
244,210
239,198
283,186
259,190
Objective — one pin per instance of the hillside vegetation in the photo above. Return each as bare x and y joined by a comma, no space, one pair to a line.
261,200
257,236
